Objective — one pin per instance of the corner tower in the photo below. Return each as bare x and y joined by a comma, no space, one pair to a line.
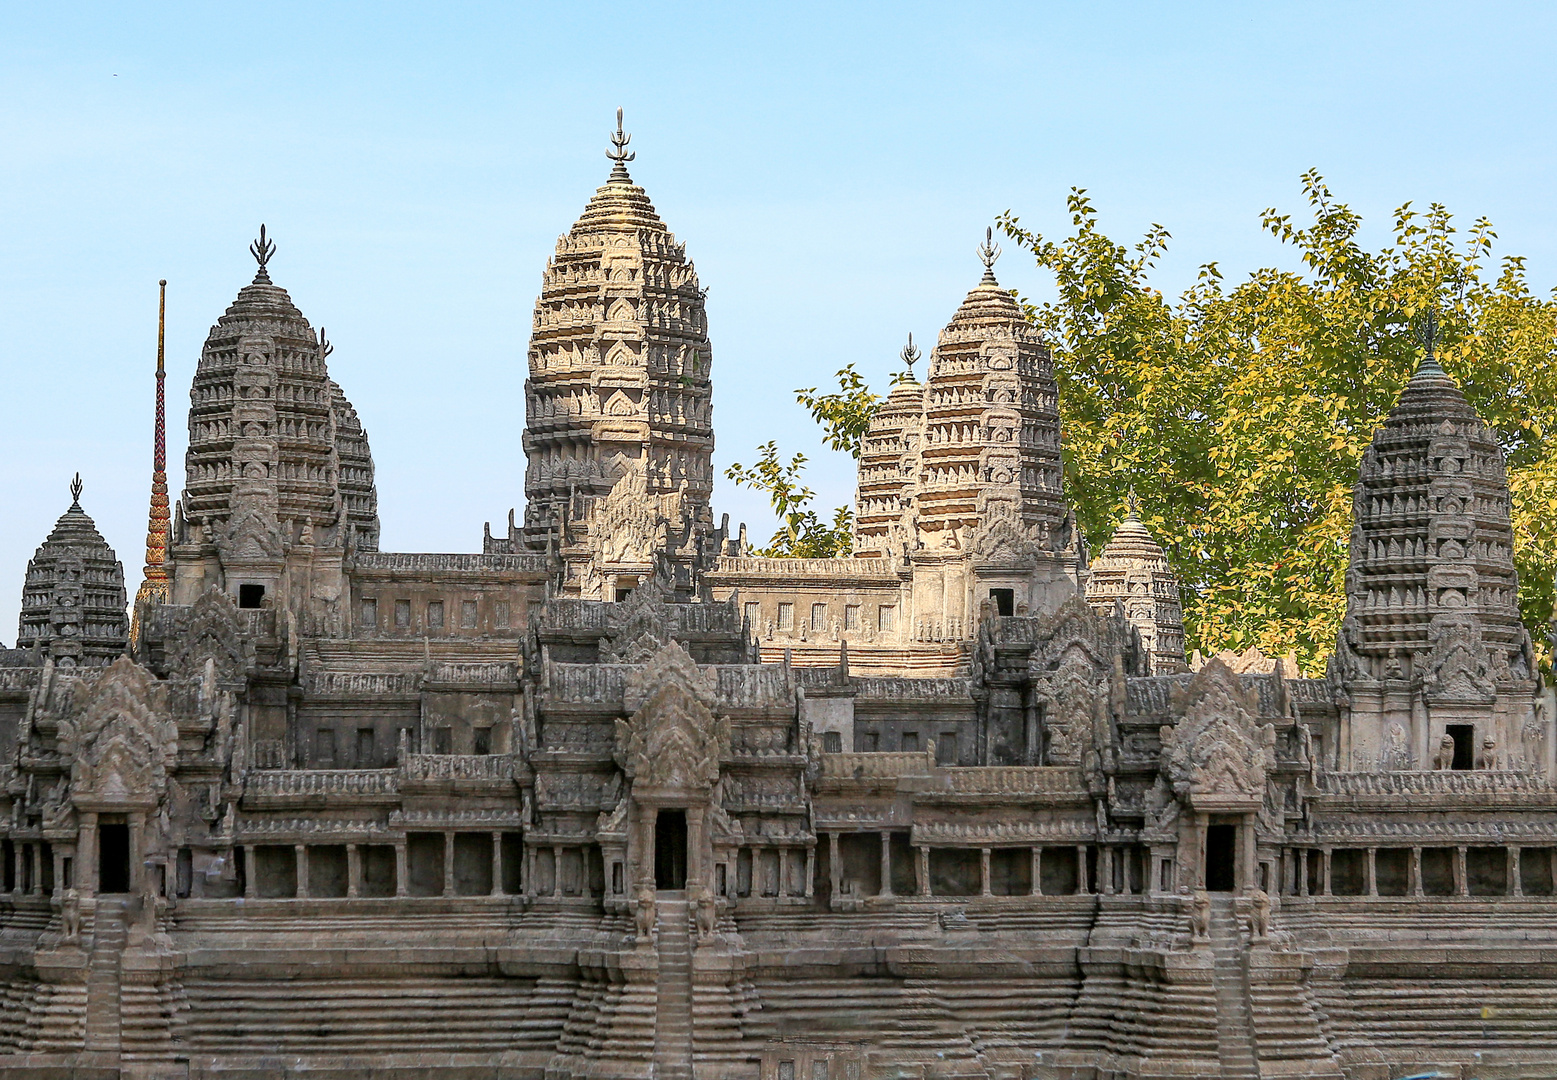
1433,661
278,467
618,410
73,601
1131,574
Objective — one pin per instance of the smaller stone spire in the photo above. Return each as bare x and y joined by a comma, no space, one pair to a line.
1131,575
73,594
262,249
620,154
989,251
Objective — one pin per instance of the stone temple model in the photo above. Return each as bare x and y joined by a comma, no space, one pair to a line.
618,798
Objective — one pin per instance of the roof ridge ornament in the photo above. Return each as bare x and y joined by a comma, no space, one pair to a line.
1132,507
910,354
619,152
75,492
989,251
262,249
1428,336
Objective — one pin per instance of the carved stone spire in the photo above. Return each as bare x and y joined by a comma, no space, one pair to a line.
73,608
1132,573
154,579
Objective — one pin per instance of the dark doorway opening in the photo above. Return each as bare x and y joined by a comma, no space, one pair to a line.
670,850
113,858
1005,601
249,596
1221,844
1464,736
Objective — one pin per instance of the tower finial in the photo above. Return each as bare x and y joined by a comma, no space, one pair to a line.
1132,507
262,249
1428,336
909,354
989,251
75,492
619,152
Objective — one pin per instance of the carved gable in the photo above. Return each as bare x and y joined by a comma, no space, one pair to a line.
1216,756
121,741
673,739
214,633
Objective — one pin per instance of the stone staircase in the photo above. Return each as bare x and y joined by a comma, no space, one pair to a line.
102,1010
673,1015
1234,1023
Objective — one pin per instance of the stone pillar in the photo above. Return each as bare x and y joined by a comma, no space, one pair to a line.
250,872
886,864
833,867
1324,870
1125,863
300,854
1513,887
556,870
37,868
1035,888
1248,856
781,886
924,870
1032,753
1373,871
137,821
353,871
497,866
1105,868
402,869
984,872
1416,872
59,869
529,871
810,871
1302,871
1461,879
1082,885
448,864
697,868
86,855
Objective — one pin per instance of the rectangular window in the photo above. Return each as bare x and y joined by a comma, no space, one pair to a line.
1005,601
832,742
369,614
753,612
435,614
909,743
818,616
870,742
468,614
1464,736
886,618
366,751
851,617
481,741
443,740
786,619
946,748
500,614
402,614
324,747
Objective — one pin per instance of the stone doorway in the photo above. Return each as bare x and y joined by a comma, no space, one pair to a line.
113,857
670,849
1221,857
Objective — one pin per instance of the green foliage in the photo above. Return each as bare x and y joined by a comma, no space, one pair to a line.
844,416
802,535
1239,415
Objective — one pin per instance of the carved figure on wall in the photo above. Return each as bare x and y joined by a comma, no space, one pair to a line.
1444,759
1259,914
1397,755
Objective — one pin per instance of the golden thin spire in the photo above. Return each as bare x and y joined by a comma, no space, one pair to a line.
154,583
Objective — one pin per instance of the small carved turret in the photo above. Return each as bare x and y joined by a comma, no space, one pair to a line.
73,602
1132,573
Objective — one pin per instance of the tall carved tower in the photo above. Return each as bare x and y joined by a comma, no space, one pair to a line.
618,406
278,468
1432,647
73,608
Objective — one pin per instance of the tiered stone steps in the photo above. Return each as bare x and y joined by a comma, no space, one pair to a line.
102,1011
673,1016
1234,1024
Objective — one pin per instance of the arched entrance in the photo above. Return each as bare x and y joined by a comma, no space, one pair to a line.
670,849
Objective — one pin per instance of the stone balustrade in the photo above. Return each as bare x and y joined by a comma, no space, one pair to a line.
877,766
1436,782
363,683
275,783
1014,780
457,767
473,673
447,563
596,683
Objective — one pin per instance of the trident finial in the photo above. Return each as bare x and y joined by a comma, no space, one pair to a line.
262,249
1133,508
619,152
989,251
909,354
75,492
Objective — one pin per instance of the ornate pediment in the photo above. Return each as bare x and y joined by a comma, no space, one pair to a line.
642,625
673,741
213,633
251,535
628,526
1459,670
1218,754
1001,541
121,739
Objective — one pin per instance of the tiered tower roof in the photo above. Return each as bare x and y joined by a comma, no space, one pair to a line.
1132,573
73,602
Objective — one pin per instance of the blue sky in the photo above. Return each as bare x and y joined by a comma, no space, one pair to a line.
830,166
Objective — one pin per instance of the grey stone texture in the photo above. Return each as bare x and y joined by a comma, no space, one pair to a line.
617,798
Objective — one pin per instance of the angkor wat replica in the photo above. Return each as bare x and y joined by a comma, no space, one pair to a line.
618,798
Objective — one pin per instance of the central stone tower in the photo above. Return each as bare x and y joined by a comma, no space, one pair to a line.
618,407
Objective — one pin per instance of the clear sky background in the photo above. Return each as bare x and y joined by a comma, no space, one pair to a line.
830,166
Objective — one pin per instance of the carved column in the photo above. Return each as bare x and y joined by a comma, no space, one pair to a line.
1416,872
1248,856
300,856
86,855
810,872
1373,871
1105,868
1302,871
137,821
37,869
402,870
556,869
835,869
1515,886
1461,879
1324,869
497,865
250,873
1082,885
353,871
448,864
984,871
924,870
59,869
1035,887
697,870
886,865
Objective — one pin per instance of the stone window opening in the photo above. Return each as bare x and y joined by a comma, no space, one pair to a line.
670,849
786,616
1004,600
832,742
435,614
468,614
324,747
908,742
481,741
1464,736
113,857
500,614
869,742
366,748
402,614
946,748
753,614
851,616
250,596
443,740
886,618
819,617
1221,845
370,614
